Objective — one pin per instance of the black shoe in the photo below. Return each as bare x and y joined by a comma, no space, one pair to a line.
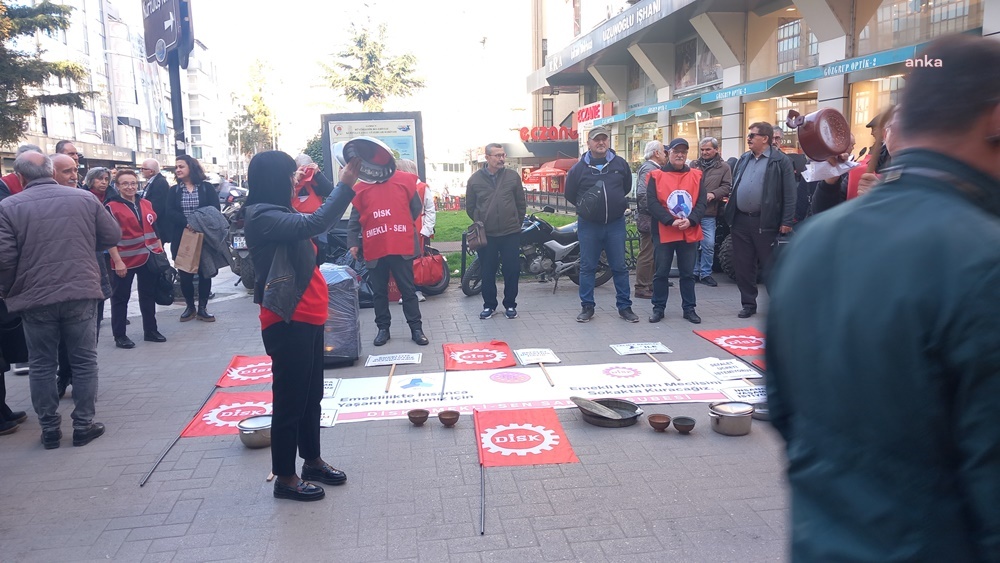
154,336
746,312
585,315
692,316
302,492
188,314
628,315
127,322
7,427
211,295
204,315
382,337
84,436
418,336
124,342
61,385
670,284
17,417
656,317
709,281
327,474
50,438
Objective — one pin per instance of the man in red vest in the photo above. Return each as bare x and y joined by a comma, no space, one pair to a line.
675,197
11,184
382,222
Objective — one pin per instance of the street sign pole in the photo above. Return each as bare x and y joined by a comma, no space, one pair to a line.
176,105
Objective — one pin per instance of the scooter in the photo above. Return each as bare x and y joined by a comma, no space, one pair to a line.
237,241
547,252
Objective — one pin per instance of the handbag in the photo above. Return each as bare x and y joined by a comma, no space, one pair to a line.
163,289
475,235
428,270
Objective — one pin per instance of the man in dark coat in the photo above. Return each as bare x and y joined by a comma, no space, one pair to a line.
884,380
156,193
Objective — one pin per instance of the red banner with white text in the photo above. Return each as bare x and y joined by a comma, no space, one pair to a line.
225,410
478,355
246,370
522,437
737,341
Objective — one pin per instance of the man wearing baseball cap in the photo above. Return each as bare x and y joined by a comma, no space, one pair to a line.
675,197
597,185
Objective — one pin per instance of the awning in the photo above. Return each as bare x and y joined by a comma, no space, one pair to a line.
755,87
546,173
676,103
542,149
884,58
613,119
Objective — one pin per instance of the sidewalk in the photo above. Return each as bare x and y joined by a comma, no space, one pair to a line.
413,493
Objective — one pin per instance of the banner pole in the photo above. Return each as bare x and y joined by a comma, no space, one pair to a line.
392,370
665,368
546,372
166,451
482,499
444,381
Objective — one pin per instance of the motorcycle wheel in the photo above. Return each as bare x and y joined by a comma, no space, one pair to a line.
727,262
246,273
601,276
472,279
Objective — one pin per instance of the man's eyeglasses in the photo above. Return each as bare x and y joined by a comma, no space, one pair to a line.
750,136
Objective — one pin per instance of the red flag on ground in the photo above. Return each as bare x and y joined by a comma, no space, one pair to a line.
522,437
478,355
737,341
246,370
760,364
225,410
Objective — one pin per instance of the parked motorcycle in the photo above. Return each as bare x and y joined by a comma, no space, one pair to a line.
547,252
237,241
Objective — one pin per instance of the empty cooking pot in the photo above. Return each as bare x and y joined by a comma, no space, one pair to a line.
822,134
255,431
377,162
732,418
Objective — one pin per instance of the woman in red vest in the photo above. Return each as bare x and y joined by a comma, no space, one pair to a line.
136,218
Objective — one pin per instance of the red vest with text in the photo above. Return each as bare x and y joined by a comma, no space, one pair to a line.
386,222
309,202
13,183
138,239
854,176
668,182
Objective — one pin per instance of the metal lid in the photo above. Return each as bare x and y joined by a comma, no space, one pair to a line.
731,408
255,422
377,162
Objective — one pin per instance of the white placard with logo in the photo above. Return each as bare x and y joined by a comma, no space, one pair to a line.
640,348
390,359
725,370
536,356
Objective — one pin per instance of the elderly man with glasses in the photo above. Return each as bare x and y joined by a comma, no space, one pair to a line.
156,194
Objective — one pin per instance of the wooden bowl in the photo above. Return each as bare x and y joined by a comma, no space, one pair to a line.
684,424
659,422
448,418
418,416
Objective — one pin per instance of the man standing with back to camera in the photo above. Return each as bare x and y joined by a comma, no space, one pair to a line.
597,185
495,196
882,380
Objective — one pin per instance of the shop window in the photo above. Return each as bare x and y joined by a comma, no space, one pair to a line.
775,111
548,106
868,99
797,46
897,23
695,65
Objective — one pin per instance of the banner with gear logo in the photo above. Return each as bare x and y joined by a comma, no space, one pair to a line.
246,370
478,355
522,437
737,341
224,411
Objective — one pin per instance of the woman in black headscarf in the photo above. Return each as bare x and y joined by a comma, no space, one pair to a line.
293,309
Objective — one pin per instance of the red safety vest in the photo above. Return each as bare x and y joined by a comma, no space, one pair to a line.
138,240
310,202
678,184
384,209
854,176
13,183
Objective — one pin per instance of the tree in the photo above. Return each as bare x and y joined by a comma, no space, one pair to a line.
252,130
314,148
23,74
367,74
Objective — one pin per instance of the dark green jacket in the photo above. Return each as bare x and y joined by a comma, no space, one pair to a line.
883,357
509,209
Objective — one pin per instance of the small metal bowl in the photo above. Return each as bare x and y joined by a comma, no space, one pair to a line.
255,431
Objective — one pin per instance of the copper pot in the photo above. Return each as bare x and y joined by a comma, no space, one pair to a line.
822,134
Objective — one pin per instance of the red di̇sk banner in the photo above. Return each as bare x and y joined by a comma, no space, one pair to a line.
478,355
246,370
225,410
522,437
737,341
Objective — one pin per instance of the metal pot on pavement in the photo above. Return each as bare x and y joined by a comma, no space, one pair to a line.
731,418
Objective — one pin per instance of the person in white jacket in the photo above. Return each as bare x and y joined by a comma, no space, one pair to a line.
428,218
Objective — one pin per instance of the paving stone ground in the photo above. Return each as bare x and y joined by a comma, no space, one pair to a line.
413,493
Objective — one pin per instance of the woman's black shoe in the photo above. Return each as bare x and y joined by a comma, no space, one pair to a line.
204,315
188,314
303,491
327,474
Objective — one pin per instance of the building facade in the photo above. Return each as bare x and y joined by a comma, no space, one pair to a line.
661,69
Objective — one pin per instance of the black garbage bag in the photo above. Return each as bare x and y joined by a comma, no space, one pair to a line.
342,330
366,299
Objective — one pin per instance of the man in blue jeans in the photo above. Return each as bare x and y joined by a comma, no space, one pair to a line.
48,236
597,186
718,181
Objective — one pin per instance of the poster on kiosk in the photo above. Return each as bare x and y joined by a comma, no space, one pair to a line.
402,132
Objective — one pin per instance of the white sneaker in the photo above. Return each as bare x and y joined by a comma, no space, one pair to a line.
20,369
420,298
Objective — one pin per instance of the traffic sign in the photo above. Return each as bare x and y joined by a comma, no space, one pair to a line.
161,20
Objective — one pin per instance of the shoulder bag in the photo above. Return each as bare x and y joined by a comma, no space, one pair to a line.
475,235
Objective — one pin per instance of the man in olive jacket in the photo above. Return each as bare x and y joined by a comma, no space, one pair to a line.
48,236
883,380
495,196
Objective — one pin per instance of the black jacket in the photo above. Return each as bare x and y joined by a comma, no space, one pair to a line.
599,195
777,206
156,193
273,228
207,197
509,209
